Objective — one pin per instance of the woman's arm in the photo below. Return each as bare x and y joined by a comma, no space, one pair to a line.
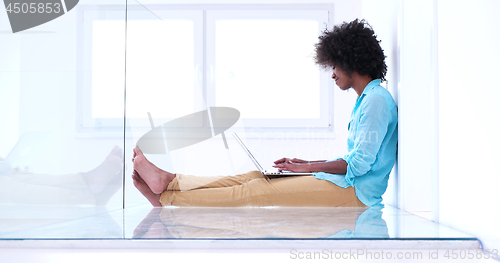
334,167
295,160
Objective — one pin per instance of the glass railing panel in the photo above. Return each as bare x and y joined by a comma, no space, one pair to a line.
61,109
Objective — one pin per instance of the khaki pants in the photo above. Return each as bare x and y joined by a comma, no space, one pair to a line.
252,189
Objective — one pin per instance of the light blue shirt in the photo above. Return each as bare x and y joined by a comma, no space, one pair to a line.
372,140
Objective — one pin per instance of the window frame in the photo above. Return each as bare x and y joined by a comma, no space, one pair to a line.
279,13
204,71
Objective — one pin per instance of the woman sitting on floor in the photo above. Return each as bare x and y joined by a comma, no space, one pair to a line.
357,179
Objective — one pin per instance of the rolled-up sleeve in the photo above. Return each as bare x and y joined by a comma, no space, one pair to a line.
366,136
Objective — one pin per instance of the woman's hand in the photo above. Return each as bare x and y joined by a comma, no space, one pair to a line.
290,160
294,167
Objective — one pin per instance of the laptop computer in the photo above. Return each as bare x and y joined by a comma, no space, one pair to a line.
275,173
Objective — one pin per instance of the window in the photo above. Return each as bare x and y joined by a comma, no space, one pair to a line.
180,59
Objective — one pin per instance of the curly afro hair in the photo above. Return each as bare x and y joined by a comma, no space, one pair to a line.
352,47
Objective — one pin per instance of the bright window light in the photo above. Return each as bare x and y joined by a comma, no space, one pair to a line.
160,69
263,64
108,65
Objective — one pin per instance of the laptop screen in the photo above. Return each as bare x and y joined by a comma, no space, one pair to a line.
248,152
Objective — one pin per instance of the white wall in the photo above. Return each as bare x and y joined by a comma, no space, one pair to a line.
416,107
448,136
469,38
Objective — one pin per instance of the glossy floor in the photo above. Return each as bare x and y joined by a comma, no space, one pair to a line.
145,222
62,234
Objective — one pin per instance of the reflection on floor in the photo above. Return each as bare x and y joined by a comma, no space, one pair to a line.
32,224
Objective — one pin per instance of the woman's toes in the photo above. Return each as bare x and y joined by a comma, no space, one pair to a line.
139,161
137,150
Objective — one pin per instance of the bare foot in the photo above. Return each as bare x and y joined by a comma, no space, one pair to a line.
100,177
139,183
156,178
